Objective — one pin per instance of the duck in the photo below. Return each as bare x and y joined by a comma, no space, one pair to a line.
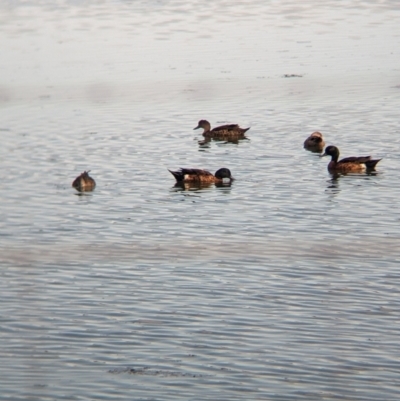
84,182
199,176
315,142
348,164
223,131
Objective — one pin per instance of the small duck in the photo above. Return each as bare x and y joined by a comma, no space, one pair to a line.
84,183
195,175
349,164
223,131
315,142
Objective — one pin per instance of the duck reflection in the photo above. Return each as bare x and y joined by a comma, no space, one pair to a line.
196,187
333,183
333,188
222,139
191,186
366,174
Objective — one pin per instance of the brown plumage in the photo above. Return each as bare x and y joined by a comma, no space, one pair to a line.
315,142
223,131
84,182
348,164
195,175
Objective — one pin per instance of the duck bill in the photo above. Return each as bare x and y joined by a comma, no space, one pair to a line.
197,127
325,154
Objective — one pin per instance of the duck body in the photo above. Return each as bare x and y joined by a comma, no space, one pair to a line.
315,142
84,182
349,164
223,131
199,176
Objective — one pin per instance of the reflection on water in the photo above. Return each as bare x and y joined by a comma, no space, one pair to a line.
190,186
333,186
193,186
207,140
282,285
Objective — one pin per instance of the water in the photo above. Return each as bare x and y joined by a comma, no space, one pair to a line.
283,286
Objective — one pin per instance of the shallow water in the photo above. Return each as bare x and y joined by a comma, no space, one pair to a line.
283,286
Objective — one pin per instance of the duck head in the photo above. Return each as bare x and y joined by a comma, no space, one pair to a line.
316,137
224,174
332,151
203,124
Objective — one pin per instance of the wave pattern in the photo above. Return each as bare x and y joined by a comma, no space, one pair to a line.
281,286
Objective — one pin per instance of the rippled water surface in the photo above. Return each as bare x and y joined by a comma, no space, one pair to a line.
283,286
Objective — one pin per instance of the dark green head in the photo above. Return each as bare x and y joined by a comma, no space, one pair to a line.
223,173
203,124
332,151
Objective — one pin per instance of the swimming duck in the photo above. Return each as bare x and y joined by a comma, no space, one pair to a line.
195,175
223,131
84,183
349,164
315,142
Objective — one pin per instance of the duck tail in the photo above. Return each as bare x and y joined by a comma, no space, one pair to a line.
177,174
244,130
371,164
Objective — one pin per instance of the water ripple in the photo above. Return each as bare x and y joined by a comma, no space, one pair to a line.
283,285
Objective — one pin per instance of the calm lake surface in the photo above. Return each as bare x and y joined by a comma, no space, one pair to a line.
283,286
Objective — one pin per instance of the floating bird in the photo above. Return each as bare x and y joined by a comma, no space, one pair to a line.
348,164
315,142
198,176
222,132
84,182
